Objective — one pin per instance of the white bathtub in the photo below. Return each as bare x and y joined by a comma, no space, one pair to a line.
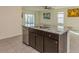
73,41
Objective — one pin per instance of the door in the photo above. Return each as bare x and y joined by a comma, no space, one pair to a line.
50,45
39,43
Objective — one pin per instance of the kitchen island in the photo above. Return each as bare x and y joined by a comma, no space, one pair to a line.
48,39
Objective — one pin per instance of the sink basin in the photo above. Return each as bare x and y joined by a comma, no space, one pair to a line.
42,27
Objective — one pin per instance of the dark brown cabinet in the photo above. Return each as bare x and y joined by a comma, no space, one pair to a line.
47,42
51,42
32,39
39,43
50,45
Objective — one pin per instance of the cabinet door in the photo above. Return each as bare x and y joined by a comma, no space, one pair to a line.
39,43
50,45
32,39
25,36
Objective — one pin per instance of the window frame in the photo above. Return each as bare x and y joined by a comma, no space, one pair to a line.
26,21
63,17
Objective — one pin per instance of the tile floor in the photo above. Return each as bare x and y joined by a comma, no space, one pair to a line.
15,45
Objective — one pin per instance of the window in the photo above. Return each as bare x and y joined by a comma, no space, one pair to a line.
29,20
60,17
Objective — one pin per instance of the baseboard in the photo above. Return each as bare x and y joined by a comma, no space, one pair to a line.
12,36
26,44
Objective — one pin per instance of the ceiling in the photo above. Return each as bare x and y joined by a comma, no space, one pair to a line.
40,8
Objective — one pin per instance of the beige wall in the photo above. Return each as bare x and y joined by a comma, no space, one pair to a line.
10,22
69,21
32,10
50,21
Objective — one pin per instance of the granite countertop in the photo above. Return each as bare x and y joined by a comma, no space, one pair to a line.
53,29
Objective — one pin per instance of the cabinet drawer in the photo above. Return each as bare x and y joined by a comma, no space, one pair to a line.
39,32
32,30
52,35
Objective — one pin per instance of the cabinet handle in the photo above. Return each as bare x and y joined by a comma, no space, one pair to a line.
56,42
49,35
